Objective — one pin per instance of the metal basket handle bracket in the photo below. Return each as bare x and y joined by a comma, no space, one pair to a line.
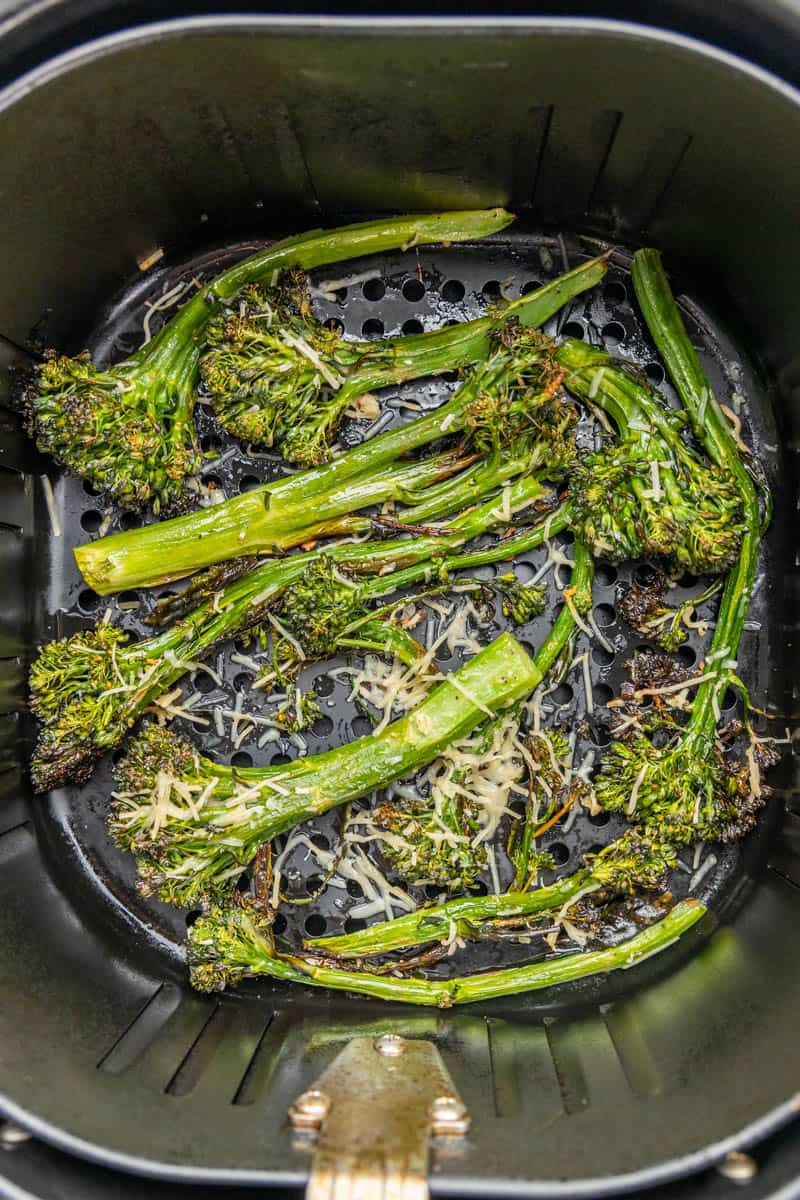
371,1116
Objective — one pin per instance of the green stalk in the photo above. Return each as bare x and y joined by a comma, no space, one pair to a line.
285,512
666,327
227,947
246,525
129,429
199,850
322,246
501,551
668,331
318,248
435,924
88,693
458,345
564,627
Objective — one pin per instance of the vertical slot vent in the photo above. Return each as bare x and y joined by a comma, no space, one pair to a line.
144,1027
563,1040
202,1050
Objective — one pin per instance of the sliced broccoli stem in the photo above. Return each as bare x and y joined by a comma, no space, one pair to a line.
200,850
227,947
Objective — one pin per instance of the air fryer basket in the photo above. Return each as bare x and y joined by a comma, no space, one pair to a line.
193,135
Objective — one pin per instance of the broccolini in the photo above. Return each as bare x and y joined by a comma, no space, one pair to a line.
129,429
194,825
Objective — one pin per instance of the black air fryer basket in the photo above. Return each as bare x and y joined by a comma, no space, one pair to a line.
203,136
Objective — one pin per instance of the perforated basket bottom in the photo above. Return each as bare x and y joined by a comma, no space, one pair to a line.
405,293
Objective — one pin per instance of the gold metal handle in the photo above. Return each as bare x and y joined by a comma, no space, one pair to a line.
370,1118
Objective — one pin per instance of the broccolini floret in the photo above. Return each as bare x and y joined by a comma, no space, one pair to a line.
631,863
194,826
644,608
277,376
128,429
649,493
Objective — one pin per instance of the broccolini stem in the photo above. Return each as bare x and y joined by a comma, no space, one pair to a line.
458,345
382,637
212,940
249,524
435,924
668,331
318,248
268,516
630,864
502,551
457,491
666,327
322,246
183,854
564,627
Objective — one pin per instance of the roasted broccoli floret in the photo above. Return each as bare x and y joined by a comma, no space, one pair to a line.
89,689
277,376
685,781
688,791
519,601
649,494
440,838
430,841
128,429
75,692
631,863
695,525
318,607
228,945
194,825
644,608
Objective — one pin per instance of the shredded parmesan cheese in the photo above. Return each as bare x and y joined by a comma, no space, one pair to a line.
301,345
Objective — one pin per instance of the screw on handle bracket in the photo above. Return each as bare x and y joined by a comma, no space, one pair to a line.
372,1115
